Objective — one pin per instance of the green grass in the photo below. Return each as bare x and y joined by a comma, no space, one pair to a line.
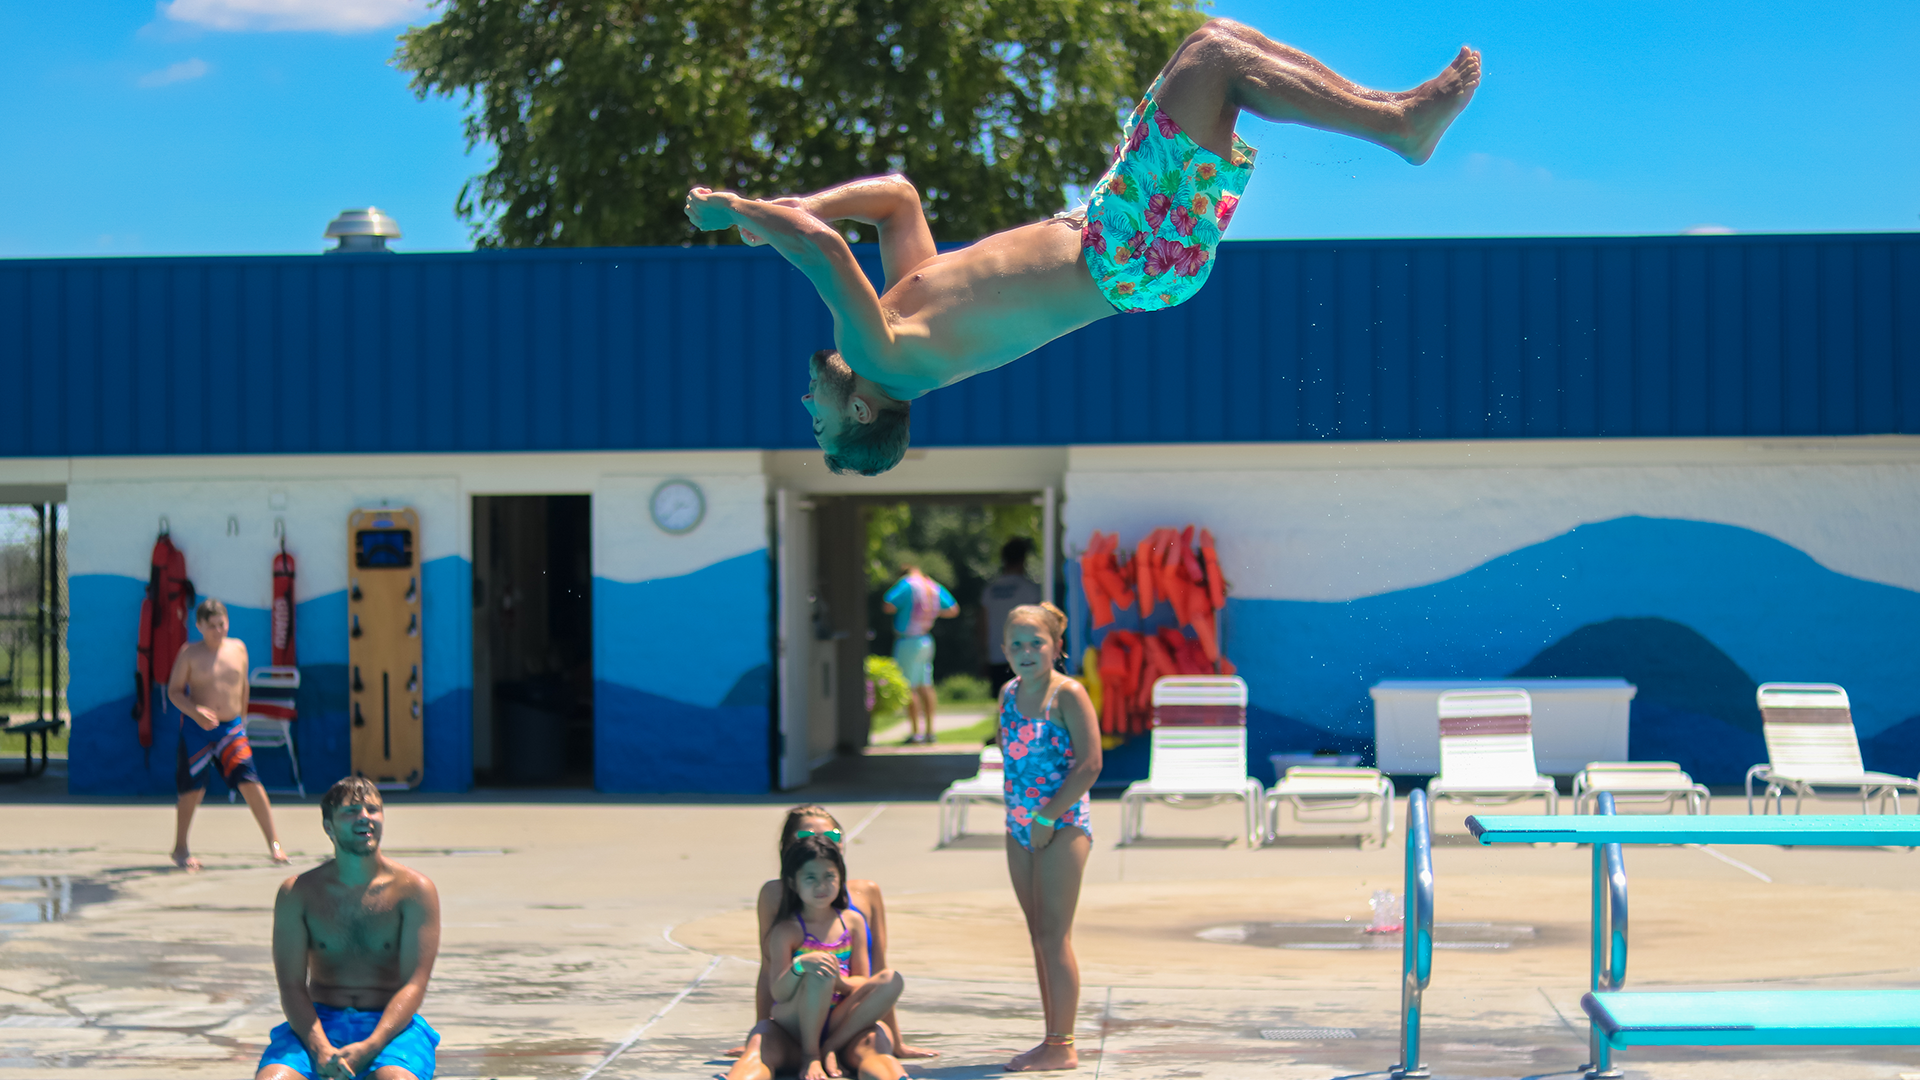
976,734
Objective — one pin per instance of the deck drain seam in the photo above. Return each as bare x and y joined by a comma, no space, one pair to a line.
641,1031
1307,1034
1733,862
854,834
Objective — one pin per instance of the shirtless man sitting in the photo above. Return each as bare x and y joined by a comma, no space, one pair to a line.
354,942
209,687
1144,241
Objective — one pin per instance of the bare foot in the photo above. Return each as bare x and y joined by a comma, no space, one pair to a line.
1020,1060
905,1051
1433,105
1047,1057
279,856
813,1070
186,862
833,1064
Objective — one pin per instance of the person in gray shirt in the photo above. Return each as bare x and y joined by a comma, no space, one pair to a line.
1005,591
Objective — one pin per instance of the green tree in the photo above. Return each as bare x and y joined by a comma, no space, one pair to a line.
602,113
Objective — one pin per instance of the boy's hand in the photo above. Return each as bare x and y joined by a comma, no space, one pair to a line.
708,209
206,717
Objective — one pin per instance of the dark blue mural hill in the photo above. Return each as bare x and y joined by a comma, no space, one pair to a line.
1693,704
1770,609
647,744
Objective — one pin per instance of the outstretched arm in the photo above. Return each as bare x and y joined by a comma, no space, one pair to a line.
860,328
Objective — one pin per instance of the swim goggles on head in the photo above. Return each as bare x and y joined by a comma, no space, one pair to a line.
832,835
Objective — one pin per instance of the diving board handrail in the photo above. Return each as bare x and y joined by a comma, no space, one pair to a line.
1808,830
1416,950
1609,967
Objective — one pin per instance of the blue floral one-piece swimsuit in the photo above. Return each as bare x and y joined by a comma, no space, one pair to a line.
1038,756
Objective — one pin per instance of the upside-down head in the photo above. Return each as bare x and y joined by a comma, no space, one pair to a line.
860,428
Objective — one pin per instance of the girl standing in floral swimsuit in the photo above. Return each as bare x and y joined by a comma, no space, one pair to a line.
1051,741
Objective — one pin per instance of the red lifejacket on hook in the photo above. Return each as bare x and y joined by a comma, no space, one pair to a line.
283,641
163,629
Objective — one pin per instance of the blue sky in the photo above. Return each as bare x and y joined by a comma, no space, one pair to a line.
212,126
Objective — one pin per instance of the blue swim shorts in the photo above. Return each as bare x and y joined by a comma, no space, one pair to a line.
411,1050
914,654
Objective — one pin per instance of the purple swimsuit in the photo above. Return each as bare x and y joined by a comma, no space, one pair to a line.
1039,754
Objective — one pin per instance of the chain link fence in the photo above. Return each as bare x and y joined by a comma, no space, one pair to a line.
33,611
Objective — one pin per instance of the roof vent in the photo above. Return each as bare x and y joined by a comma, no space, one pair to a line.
362,230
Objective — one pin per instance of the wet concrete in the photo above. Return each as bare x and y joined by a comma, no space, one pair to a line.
571,930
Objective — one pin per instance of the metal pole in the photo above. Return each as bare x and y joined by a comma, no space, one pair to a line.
40,621
1416,959
1608,952
1049,519
53,610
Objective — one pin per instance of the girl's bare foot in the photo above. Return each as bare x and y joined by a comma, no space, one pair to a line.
1019,1062
186,862
813,1070
903,1051
279,856
832,1063
1047,1057
1430,107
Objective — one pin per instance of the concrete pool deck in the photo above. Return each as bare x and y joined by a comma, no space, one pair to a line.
571,927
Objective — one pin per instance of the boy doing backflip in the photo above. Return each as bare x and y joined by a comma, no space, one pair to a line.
209,687
354,942
1144,241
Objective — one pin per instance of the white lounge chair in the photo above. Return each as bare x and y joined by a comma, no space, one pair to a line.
1639,782
270,716
1811,745
987,785
1199,753
1324,795
1486,750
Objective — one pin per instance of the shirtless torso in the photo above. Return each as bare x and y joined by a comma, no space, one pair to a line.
360,932
209,682
971,310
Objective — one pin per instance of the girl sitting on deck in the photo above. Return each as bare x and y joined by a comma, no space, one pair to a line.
825,998
863,897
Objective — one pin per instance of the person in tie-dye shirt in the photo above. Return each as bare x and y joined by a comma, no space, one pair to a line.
1145,240
915,601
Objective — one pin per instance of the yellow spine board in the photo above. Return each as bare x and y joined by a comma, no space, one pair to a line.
386,687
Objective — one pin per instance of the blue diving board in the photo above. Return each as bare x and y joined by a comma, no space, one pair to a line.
1833,830
1757,1018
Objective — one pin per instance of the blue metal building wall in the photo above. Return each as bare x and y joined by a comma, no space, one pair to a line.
669,348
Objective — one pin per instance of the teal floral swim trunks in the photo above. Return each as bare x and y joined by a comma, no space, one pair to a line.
1155,218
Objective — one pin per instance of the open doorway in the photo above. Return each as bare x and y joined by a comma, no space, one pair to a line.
838,556
533,640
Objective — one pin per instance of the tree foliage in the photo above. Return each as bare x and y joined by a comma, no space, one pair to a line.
602,113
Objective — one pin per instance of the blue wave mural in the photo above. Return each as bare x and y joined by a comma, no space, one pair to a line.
1773,611
682,694
105,757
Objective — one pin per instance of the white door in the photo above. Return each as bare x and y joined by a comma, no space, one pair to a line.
793,539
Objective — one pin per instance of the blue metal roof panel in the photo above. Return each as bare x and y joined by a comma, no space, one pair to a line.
695,348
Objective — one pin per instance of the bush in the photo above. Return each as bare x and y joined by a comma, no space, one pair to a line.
887,689
963,689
